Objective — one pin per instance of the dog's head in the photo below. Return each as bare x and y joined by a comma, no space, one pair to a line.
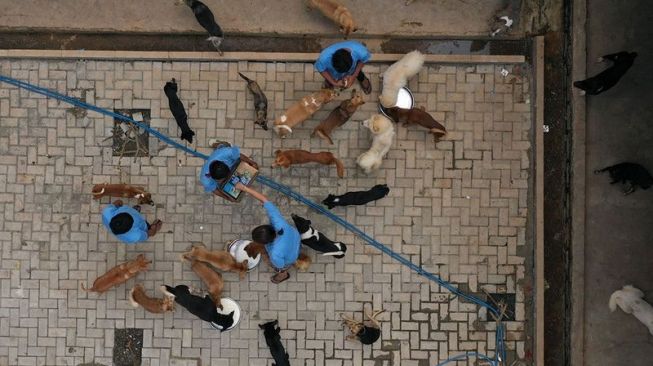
327,95
269,326
356,98
144,198
224,321
170,88
142,263
381,189
280,159
378,124
301,223
303,262
329,201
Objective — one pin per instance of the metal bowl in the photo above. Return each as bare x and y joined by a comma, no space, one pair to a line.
404,100
237,250
228,305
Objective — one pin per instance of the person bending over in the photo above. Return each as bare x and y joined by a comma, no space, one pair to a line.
127,224
343,62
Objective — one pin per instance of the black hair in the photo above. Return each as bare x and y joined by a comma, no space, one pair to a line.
219,170
121,223
263,234
342,60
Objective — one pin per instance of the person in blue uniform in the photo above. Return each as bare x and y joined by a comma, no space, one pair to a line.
218,166
342,63
127,224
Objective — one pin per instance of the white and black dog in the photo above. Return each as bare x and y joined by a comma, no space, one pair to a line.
203,308
316,240
206,19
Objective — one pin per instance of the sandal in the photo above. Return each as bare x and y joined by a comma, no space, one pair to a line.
366,85
280,277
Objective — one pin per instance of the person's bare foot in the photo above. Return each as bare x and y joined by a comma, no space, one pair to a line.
280,277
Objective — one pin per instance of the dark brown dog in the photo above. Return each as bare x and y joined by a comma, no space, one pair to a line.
260,102
122,190
339,116
417,116
290,157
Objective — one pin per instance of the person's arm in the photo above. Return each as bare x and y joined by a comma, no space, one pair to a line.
276,219
352,78
331,80
252,192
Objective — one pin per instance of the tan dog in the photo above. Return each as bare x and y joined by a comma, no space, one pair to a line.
219,259
212,279
339,116
254,249
122,190
417,116
302,110
137,296
397,76
383,133
337,12
118,275
290,157
367,332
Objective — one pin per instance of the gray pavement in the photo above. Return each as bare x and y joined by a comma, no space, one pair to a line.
619,233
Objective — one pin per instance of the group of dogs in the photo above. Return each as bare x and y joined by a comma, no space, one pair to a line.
630,175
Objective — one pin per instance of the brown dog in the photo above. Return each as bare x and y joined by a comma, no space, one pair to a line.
137,296
118,275
417,116
122,190
289,157
337,12
212,279
339,116
302,110
219,259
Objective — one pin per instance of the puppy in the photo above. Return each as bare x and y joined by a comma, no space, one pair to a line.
629,299
417,116
206,19
397,76
122,190
302,110
203,308
211,279
366,332
289,157
609,77
219,259
137,296
630,174
316,240
260,102
383,133
339,116
118,275
357,198
178,111
271,332
337,12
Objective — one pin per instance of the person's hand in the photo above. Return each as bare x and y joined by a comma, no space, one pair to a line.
241,187
349,81
340,83
117,203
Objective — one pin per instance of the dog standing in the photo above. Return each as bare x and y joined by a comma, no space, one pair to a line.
118,275
220,259
397,76
366,332
122,190
271,331
178,111
206,19
339,116
260,102
417,116
302,110
337,12
316,240
632,175
357,198
137,296
383,133
609,77
211,279
202,307
287,158
629,299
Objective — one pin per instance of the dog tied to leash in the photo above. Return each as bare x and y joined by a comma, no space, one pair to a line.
206,19
178,111
631,175
271,331
260,102
621,62
316,240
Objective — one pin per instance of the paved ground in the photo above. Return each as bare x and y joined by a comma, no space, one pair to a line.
619,231
459,209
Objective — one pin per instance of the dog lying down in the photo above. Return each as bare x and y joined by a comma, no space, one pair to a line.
202,307
178,111
316,240
357,198
609,77
271,331
632,175
630,300
286,158
367,332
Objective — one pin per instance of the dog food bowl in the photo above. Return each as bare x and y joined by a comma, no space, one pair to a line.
228,305
404,100
237,250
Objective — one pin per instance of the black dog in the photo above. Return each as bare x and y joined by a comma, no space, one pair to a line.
273,339
609,77
316,240
206,19
630,174
203,308
178,111
357,198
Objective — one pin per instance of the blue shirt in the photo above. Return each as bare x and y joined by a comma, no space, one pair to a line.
358,54
284,249
138,231
227,155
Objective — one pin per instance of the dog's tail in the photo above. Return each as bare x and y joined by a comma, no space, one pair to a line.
340,168
582,84
188,135
81,285
245,78
318,131
131,297
216,42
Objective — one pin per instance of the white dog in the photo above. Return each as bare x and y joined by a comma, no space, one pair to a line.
397,76
629,299
383,132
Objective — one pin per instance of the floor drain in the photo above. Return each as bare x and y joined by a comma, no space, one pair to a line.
129,140
509,300
127,347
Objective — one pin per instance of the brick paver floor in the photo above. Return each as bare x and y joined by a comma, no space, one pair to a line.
459,209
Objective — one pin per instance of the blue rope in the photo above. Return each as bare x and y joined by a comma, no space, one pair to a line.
500,348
